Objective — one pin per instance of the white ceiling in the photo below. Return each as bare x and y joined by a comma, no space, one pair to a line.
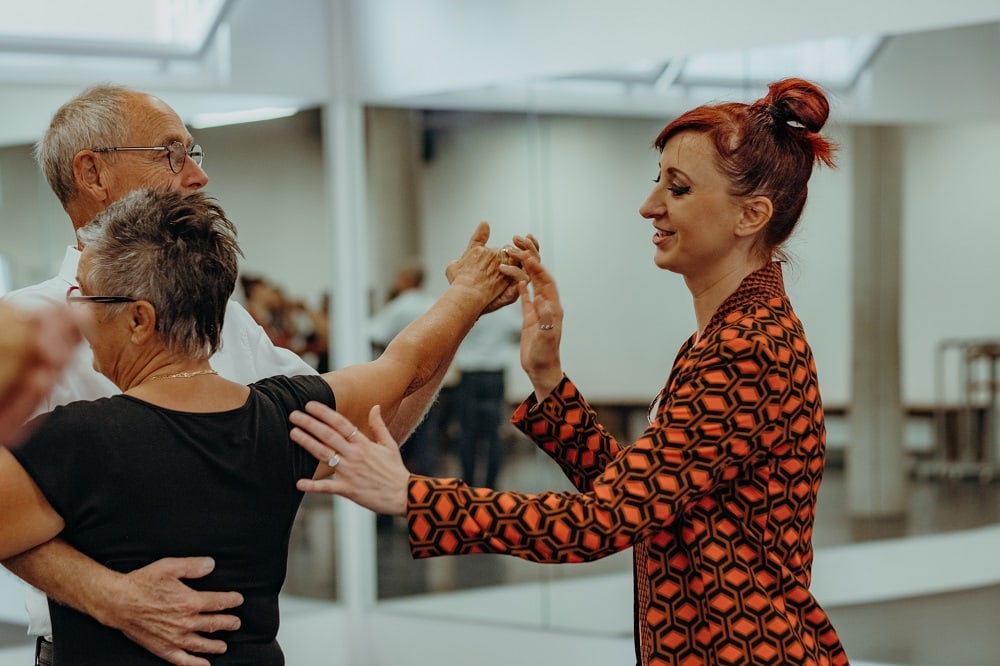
938,62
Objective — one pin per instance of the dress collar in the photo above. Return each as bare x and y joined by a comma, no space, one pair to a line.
67,271
763,284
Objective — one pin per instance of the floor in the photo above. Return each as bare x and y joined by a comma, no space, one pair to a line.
949,629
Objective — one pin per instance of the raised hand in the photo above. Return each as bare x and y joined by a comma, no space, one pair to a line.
541,331
512,265
478,269
511,258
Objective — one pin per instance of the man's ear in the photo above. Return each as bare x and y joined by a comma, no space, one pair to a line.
90,180
142,322
757,213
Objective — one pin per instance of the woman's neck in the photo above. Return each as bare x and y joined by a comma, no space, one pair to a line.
189,386
711,292
161,368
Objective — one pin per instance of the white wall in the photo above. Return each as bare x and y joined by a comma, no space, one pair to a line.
269,178
577,183
34,229
392,162
951,232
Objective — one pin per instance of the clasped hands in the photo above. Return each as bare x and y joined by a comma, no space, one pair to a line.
542,312
370,471
511,263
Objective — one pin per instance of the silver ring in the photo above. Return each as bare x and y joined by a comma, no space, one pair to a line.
333,461
546,327
351,436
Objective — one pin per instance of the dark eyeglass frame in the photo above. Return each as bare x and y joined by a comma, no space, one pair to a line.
177,152
71,298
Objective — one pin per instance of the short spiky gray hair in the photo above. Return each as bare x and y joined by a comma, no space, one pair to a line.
94,118
177,252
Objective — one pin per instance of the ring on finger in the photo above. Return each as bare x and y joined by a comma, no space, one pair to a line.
546,327
351,436
333,461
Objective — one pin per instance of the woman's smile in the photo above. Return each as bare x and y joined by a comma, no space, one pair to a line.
660,236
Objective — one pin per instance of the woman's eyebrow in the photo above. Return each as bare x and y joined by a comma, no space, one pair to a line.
674,171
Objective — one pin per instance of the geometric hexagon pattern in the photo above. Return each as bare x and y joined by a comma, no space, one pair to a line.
717,497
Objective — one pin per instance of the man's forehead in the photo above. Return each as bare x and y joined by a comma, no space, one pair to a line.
150,119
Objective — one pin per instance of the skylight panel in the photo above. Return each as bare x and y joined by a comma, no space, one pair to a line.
153,27
834,63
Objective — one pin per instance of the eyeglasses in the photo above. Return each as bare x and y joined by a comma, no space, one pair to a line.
177,152
73,295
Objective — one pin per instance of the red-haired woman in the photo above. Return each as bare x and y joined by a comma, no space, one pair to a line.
718,496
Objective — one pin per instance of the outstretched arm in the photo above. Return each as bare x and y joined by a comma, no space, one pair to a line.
676,462
405,378
413,408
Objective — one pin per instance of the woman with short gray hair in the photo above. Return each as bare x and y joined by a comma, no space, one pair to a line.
185,462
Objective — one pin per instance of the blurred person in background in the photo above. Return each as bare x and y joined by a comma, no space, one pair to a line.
408,300
479,400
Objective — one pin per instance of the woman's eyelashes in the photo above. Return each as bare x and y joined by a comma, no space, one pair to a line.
675,189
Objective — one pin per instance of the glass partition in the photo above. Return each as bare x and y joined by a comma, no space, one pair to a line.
575,183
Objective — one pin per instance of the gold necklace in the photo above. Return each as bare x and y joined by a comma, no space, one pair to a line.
181,375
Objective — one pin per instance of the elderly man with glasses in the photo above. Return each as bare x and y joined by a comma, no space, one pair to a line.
100,146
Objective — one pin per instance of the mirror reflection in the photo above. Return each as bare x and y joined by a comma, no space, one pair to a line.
569,158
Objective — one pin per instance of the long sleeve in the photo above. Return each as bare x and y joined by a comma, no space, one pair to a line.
702,439
717,496
565,427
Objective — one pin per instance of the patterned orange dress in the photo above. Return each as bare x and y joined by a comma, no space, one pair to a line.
717,497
